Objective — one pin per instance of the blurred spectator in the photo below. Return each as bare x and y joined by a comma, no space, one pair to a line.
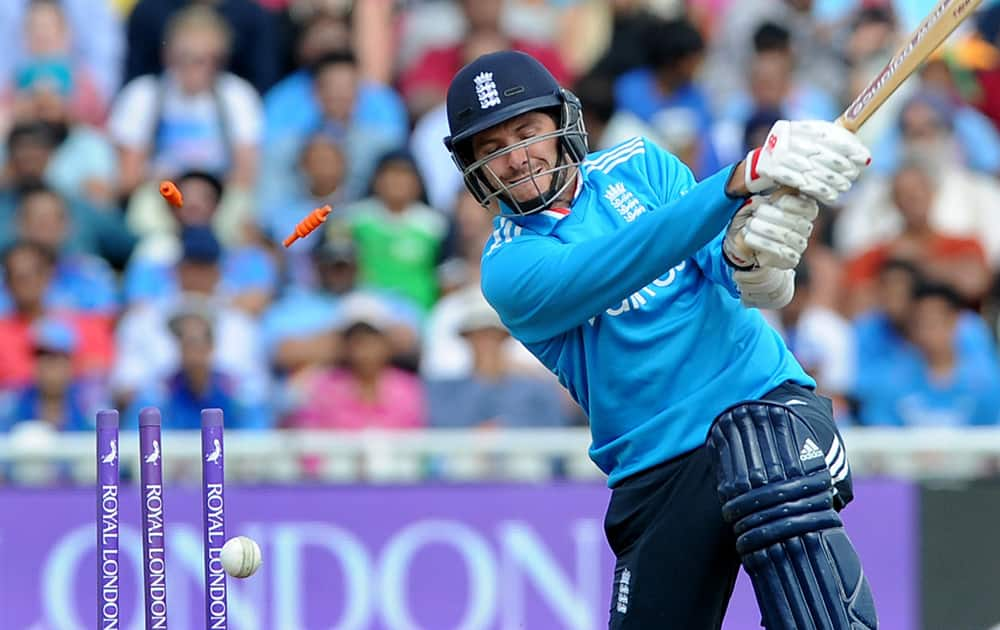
37,33
445,354
198,384
581,31
306,30
936,126
56,396
663,94
194,116
493,394
873,34
881,334
399,237
607,126
366,118
959,262
322,165
626,46
148,352
248,274
81,281
773,86
28,273
757,126
291,107
159,225
471,226
964,203
873,38
424,82
366,392
95,230
986,71
50,66
726,71
254,46
298,330
939,385
821,339
83,162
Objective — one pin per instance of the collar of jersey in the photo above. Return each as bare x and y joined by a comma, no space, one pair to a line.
545,221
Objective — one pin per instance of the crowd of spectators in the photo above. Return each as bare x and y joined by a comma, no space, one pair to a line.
261,110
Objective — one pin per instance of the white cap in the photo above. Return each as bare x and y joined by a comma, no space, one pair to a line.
477,314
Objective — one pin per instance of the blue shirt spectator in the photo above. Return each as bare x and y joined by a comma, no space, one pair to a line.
939,380
322,166
772,86
681,117
198,383
512,401
243,270
368,117
955,131
299,330
81,281
183,400
664,95
493,395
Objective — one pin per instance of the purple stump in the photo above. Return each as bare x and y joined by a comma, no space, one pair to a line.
154,565
213,505
107,519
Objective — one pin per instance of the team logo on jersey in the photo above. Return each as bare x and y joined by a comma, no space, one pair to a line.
486,90
622,200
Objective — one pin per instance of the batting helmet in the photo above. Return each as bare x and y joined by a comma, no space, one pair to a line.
494,89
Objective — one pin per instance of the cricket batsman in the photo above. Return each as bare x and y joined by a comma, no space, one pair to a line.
639,288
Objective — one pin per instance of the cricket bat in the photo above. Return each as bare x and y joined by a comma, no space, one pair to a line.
919,45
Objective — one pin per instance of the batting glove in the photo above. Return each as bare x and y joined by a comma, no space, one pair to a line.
817,158
765,288
770,231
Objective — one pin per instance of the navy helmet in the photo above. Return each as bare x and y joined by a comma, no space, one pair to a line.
494,89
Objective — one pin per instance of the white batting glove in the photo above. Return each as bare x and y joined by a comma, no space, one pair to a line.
817,158
765,287
771,231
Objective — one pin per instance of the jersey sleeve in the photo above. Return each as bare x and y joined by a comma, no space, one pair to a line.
672,179
542,287
715,266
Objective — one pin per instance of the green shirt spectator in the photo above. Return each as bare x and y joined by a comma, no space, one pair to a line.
398,236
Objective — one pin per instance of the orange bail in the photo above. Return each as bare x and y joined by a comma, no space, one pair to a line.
171,193
307,225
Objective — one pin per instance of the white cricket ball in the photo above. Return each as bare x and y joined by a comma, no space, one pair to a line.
241,556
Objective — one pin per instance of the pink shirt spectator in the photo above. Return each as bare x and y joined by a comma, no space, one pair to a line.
335,402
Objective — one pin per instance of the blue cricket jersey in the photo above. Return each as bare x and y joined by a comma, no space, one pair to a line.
627,298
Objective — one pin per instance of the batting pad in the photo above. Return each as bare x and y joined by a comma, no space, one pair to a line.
777,494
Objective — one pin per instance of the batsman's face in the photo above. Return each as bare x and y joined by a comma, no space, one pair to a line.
522,170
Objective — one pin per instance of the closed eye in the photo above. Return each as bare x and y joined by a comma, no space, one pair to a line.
528,130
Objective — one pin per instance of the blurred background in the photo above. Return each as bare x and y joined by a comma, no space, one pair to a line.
369,390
